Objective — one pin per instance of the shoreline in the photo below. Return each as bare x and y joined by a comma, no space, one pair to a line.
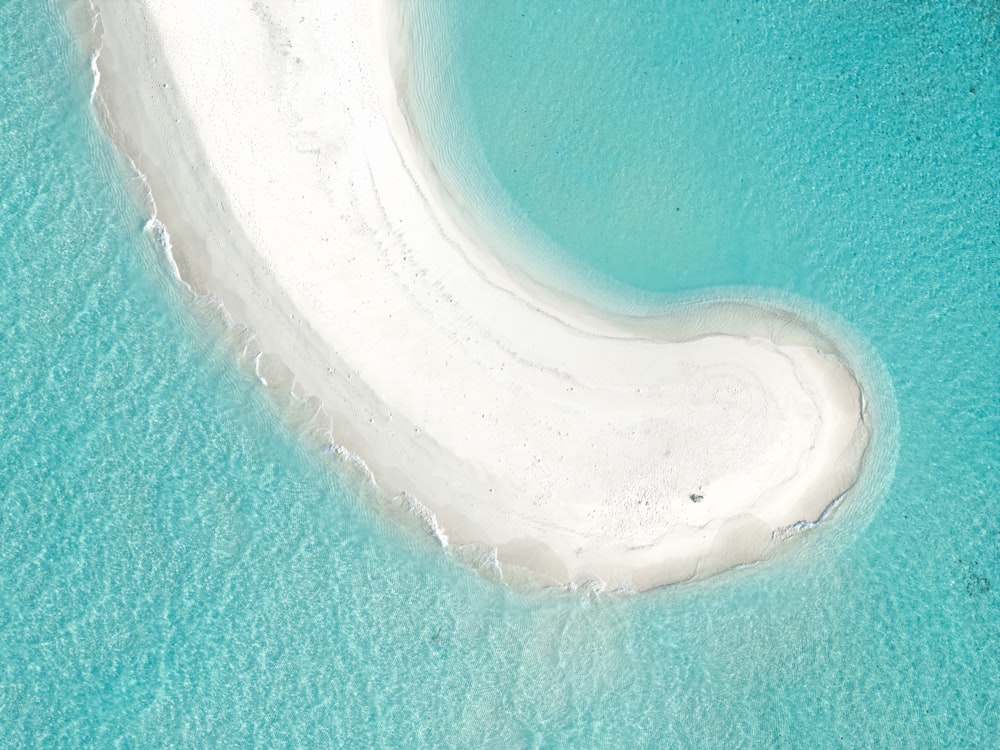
511,415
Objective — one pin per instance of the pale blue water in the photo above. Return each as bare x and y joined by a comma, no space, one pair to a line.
177,568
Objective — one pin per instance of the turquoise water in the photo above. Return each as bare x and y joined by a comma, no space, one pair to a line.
178,568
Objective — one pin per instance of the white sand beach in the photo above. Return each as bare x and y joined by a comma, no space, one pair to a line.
576,445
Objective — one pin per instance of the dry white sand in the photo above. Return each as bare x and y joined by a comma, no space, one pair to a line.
576,445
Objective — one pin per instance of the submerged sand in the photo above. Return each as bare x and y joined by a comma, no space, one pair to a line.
575,445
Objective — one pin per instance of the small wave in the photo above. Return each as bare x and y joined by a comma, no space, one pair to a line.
97,34
791,530
96,72
158,230
153,226
426,515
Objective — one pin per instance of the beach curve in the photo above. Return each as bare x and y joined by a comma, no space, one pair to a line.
576,445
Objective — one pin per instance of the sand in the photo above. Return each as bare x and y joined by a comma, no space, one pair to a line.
574,445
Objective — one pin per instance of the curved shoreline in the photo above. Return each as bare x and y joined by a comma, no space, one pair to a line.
523,424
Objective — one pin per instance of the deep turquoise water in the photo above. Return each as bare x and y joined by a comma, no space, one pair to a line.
178,568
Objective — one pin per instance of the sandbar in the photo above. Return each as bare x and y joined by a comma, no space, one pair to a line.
571,445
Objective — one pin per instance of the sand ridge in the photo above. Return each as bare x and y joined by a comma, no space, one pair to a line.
575,444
